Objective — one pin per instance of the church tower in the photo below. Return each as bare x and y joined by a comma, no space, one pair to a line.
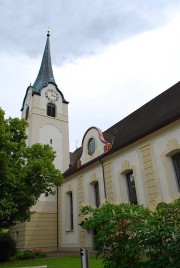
46,111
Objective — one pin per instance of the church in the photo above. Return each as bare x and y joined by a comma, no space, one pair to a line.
135,161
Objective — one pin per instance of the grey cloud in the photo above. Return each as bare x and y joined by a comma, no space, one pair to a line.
79,28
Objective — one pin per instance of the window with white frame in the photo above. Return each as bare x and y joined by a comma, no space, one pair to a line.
69,211
176,162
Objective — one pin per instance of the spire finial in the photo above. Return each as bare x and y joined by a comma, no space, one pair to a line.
48,31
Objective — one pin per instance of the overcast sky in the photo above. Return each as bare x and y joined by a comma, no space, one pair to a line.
109,56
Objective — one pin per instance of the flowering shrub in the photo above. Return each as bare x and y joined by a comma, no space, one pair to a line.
161,236
38,252
134,236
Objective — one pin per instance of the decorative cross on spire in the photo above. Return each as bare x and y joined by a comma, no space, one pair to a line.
48,31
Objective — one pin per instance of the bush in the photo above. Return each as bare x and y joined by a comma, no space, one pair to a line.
24,255
115,238
7,246
30,254
130,236
161,236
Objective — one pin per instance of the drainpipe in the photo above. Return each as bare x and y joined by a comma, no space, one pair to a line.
105,194
57,219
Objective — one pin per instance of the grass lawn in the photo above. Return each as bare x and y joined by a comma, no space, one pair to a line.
60,262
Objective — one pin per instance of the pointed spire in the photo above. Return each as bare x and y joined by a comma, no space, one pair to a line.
45,74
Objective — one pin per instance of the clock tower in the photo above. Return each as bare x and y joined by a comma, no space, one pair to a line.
46,111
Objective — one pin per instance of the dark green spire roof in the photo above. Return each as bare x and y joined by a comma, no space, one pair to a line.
45,74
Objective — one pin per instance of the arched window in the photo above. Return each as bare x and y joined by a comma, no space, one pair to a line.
27,113
91,146
51,109
131,187
94,193
176,162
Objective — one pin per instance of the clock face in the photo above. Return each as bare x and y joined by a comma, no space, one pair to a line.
52,95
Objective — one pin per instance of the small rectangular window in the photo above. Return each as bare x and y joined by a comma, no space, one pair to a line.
27,113
17,236
51,110
50,141
96,194
69,211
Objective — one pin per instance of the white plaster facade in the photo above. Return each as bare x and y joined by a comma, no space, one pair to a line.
162,183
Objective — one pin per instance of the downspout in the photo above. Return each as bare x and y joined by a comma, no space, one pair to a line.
104,182
57,219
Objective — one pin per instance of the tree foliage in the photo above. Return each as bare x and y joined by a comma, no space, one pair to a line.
135,236
7,246
25,172
161,236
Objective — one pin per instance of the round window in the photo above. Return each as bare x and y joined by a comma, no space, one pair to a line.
91,146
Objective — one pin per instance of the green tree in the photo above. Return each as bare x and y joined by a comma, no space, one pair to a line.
25,172
132,236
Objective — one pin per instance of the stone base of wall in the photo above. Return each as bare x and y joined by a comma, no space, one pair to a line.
39,232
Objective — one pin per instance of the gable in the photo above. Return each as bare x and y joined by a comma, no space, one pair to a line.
92,145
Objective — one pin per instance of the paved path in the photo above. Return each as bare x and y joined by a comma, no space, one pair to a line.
66,253
63,253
